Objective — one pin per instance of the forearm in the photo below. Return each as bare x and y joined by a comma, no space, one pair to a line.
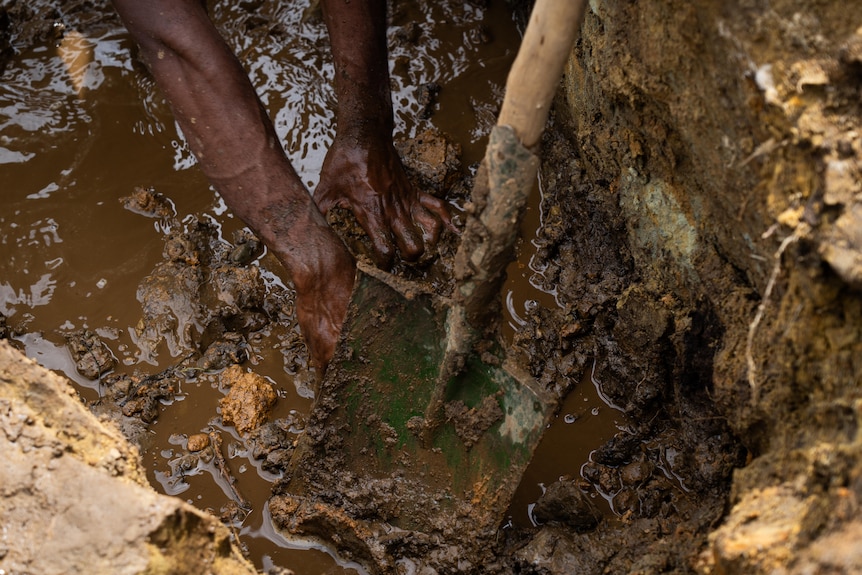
357,33
220,114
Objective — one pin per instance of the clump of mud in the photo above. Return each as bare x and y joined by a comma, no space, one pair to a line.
249,400
202,304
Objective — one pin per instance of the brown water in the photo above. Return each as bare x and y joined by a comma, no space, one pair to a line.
80,127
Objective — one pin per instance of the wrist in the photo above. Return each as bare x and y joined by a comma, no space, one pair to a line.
364,121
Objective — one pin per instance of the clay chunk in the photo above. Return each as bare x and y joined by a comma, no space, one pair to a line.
249,401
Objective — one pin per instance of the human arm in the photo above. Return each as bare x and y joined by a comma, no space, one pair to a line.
237,148
362,170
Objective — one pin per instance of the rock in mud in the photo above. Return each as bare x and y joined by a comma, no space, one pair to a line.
432,160
564,502
246,248
170,299
427,95
91,356
843,247
183,464
249,401
762,538
141,396
229,350
197,442
201,291
238,288
273,444
636,472
147,202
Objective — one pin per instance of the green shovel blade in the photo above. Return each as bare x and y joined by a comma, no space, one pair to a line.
364,439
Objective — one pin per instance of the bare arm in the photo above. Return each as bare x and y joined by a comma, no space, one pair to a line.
236,145
362,170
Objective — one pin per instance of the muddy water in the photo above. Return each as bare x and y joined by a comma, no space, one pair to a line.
81,126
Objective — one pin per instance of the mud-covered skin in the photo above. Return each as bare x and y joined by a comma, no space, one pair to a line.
431,162
362,171
236,145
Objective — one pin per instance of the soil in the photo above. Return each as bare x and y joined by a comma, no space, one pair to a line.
693,248
75,498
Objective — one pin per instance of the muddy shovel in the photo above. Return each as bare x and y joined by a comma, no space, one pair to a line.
422,422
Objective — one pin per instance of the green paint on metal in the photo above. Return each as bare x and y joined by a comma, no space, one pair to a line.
388,377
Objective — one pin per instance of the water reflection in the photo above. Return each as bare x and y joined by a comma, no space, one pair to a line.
39,294
43,92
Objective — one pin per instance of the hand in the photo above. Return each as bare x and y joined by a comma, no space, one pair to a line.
369,180
323,273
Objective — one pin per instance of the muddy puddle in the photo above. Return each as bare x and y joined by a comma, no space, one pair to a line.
82,126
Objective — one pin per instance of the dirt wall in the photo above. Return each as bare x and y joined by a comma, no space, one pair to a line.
722,141
74,497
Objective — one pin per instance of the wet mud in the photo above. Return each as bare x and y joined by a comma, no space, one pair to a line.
686,288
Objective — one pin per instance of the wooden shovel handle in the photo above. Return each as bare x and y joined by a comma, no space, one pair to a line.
538,66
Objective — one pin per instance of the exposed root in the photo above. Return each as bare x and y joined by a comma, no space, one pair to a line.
798,232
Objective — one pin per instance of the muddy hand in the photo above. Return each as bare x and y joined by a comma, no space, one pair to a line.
369,180
362,171
323,289
323,272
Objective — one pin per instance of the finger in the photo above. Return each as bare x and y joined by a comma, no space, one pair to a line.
439,207
430,224
409,241
320,336
378,233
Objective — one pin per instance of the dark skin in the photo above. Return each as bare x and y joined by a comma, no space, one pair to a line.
236,146
362,171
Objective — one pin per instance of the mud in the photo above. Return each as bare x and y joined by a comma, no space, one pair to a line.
687,287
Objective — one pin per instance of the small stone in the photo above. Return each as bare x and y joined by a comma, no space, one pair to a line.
92,357
148,203
197,442
563,502
249,401
635,472
277,461
626,500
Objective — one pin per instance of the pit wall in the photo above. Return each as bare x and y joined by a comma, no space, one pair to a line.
74,497
727,136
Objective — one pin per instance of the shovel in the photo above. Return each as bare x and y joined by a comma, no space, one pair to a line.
422,421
